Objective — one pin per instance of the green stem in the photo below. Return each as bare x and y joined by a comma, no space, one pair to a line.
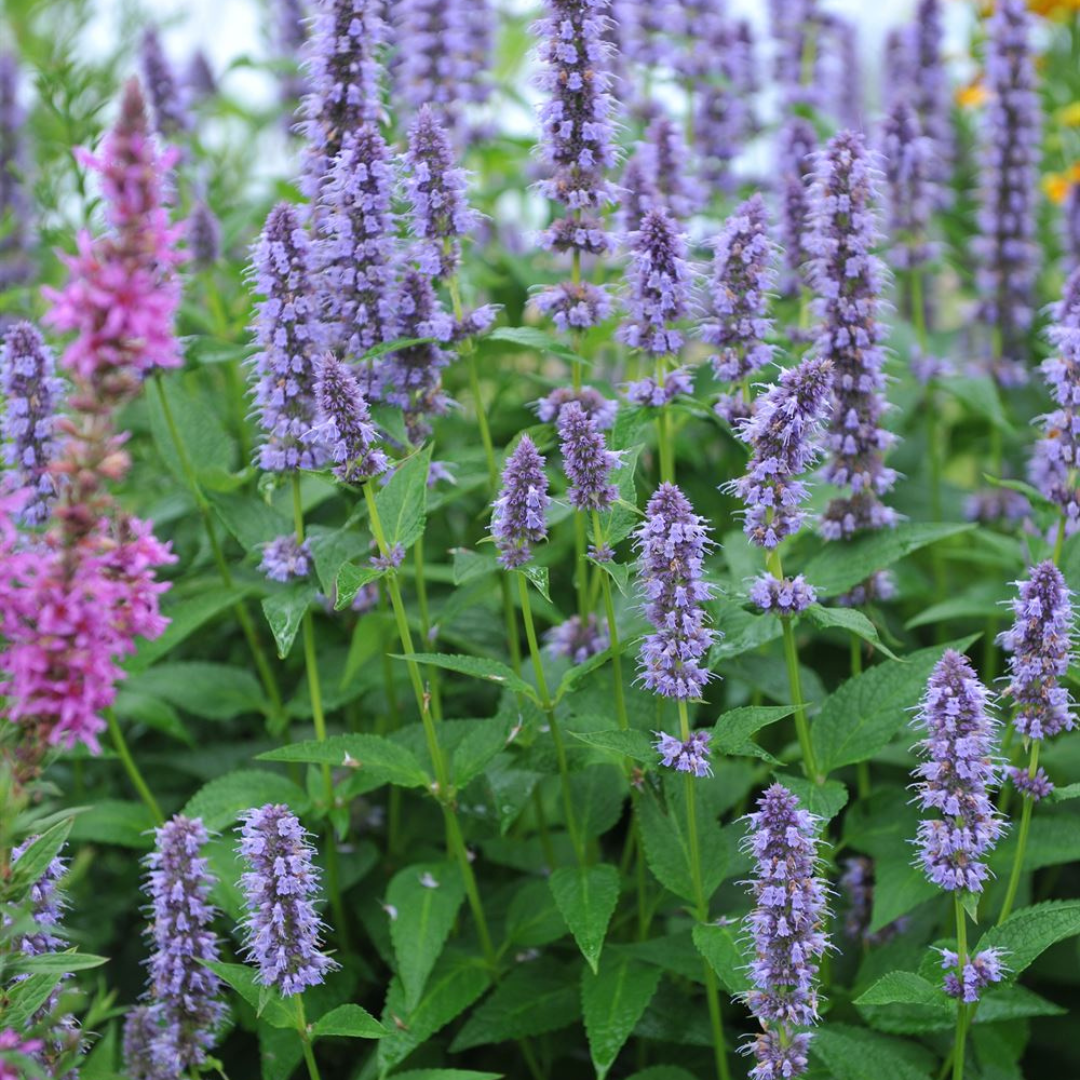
553,723
136,777
862,768
425,625
1021,840
305,1039
613,631
581,567
961,1008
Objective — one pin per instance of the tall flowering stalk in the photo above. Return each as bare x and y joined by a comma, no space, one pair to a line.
288,39
669,162
907,157
16,266
1006,247
787,927
795,148
1040,643
796,26
167,96
930,92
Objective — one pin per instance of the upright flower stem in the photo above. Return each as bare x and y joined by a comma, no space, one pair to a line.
961,1008
262,663
712,990
120,743
455,840
425,624
1021,840
305,1039
613,631
664,431
553,723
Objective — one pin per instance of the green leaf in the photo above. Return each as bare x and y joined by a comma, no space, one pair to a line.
667,850
476,666
538,577
850,620
389,761
115,821
839,567
202,434
907,988
26,997
57,963
471,756
981,396
221,802
731,733
402,504
740,631
851,1053
424,902
579,671
824,801
533,999
613,1000
470,565
533,918
720,946
250,519
350,580
1064,794
528,337
396,345
284,611
35,860
663,1072
242,979
203,688
350,1021
586,897
635,745
1026,934
865,713
618,572
899,887
446,1074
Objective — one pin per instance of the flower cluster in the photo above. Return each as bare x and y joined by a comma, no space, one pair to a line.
908,156
796,144
784,596
577,639
671,545
517,519
956,777
166,95
345,426
592,402
979,972
587,461
787,929
286,559
15,263
782,436
930,92
857,883
691,756
203,236
280,885
656,392
795,26
666,158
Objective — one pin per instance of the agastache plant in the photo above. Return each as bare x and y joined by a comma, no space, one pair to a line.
930,93
345,427
668,159
907,156
166,95
796,143
16,264
517,519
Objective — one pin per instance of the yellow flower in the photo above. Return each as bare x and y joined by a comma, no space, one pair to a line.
1056,186
1054,9
1070,115
971,96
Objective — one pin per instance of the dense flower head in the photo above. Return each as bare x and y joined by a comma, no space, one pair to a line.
344,423
184,993
517,519
436,187
795,25
980,971
576,131
782,434
203,233
993,505
654,393
289,35
671,545
286,559
691,756
1005,244
846,276
289,334
16,265
280,885
32,394
142,1027
1039,643
742,275
908,156
796,143
931,94
786,927
577,639
784,596
13,1047
1035,786
601,409
659,287
587,460
880,585
343,70
668,159
575,305
957,774
840,76
168,103
122,293
638,187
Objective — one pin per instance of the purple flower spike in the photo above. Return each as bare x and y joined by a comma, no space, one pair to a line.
183,989
1040,642
47,906
789,596
517,519
655,394
956,777
671,545
660,287
795,26
681,192
439,211
345,424
587,461
167,98
286,559
577,640
32,393
575,307
280,887
980,971
739,292
142,1027
601,409
908,156
1036,788
16,266
691,756
787,928
204,236
847,279
1005,246
932,96
640,191
796,144
1070,227
782,436
289,335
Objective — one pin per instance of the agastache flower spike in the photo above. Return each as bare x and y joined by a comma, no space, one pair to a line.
640,192
204,236
782,436
847,278
787,596
795,149
691,756
795,23
956,777
167,96
980,971
601,409
577,640
517,520
16,266
669,157
659,289
280,886
289,335
587,461
908,156
671,545
1040,643
286,559
32,394
932,99
345,426
787,930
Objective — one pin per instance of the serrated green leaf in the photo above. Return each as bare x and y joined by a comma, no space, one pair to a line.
528,337
202,435
534,918
221,802
446,1074
250,519
285,610
203,688
350,580
719,945
613,1000
1027,933
26,997
115,821
579,672
740,631
618,572
847,1052
537,576
586,897
476,666
731,733
470,565
402,504
471,756
243,980
850,620
907,988
59,963
824,801
349,1021
34,861
633,744
667,850
389,761
663,1072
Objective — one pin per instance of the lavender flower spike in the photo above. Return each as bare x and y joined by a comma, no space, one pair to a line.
289,333
32,393
517,520
796,143
787,596
280,887
47,906
690,757
204,236
671,546
587,461
167,97
345,423
669,157
782,435
439,211
184,989
739,293
932,97
787,928
847,279
956,777
1039,643
577,640
908,157
659,288
16,266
